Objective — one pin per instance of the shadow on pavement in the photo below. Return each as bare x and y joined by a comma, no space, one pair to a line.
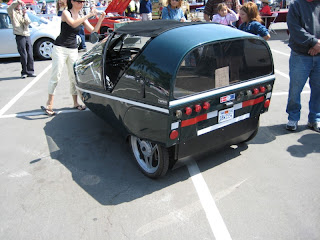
100,160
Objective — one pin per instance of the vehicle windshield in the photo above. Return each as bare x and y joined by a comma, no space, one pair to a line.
36,20
222,64
122,50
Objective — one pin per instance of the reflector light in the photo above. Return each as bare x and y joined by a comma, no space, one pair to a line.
249,93
188,110
178,113
255,91
206,105
267,103
262,89
197,108
174,134
269,87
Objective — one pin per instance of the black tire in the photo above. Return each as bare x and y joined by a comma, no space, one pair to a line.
43,48
152,159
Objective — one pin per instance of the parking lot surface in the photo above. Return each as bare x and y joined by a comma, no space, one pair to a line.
72,177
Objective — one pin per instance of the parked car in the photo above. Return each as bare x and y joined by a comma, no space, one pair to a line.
42,34
172,99
114,17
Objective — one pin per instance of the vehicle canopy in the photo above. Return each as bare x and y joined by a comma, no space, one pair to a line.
170,48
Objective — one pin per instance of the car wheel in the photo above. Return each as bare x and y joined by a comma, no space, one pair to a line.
152,159
43,48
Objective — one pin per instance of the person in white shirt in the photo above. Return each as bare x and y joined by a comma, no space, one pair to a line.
225,15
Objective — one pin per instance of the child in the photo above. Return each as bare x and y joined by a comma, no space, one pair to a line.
251,21
225,15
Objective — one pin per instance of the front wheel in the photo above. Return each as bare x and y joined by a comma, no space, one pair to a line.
43,48
152,159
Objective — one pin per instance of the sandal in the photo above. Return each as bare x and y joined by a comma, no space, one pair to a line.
80,107
48,111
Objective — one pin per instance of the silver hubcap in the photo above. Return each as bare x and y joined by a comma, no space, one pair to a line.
146,154
45,49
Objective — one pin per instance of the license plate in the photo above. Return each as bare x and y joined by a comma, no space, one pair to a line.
226,114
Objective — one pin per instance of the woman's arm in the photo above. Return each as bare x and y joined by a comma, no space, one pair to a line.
66,17
96,28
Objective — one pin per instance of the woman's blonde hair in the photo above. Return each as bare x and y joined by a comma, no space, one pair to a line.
221,6
251,9
179,3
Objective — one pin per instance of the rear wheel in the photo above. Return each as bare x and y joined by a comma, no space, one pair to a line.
152,159
43,48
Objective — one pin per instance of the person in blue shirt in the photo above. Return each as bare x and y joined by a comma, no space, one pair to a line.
146,10
173,11
251,20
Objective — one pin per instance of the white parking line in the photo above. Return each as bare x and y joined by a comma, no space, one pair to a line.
215,220
38,113
285,54
23,91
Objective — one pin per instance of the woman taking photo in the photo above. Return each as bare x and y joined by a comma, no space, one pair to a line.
173,11
251,21
65,50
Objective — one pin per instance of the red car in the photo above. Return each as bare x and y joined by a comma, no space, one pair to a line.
114,16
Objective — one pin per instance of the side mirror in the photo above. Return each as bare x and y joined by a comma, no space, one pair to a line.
94,37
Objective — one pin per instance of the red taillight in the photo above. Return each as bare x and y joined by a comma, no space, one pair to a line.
255,91
262,89
206,105
197,108
174,134
188,110
267,103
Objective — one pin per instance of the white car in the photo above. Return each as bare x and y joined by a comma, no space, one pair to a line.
42,34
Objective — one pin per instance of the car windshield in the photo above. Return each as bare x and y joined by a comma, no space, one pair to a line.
36,20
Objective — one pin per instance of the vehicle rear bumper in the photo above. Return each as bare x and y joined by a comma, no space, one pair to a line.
226,136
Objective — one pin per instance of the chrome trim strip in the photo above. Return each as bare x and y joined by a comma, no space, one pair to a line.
268,95
212,114
220,125
237,106
158,109
218,91
174,125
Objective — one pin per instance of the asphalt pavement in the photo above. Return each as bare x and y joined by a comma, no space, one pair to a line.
72,177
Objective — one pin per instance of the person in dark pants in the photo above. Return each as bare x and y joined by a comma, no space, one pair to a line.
20,22
83,47
303,22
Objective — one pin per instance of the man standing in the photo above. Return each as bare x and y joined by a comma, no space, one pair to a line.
211,7
304,26
20,22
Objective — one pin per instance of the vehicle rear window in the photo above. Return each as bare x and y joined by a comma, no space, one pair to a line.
221,64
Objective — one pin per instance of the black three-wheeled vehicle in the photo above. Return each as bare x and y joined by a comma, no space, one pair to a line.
175,89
